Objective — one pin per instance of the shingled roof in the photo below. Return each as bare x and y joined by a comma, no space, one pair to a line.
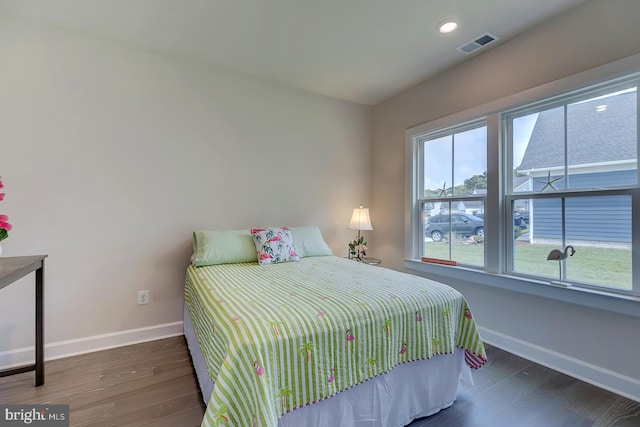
593,136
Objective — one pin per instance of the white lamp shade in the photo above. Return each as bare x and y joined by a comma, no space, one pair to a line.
360,219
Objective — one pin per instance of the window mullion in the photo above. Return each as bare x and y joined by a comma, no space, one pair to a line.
566,148
494,252
563,212
453,163
635,211
635,240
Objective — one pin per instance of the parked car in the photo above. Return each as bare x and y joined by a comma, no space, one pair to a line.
461,224
519,219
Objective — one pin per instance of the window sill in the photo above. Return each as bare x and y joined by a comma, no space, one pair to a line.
598,299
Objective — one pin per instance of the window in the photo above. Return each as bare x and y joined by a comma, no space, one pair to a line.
544,192
574,166
452,193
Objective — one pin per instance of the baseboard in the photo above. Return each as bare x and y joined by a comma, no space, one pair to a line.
587,372
60,349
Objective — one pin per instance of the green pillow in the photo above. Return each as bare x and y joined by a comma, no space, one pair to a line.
223,247
308,241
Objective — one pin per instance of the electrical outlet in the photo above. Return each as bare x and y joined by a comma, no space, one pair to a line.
143,297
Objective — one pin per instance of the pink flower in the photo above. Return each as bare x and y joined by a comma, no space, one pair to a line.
5,227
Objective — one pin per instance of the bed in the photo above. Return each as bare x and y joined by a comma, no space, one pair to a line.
323,341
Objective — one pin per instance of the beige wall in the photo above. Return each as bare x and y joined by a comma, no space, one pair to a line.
595,33
111,156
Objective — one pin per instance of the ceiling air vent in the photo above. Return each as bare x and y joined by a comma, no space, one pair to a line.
476,44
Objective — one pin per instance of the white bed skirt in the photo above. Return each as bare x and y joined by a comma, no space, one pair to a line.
409,391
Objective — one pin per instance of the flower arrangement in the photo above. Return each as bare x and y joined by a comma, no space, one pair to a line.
358,248
5,227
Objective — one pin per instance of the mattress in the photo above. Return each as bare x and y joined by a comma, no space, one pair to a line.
275,339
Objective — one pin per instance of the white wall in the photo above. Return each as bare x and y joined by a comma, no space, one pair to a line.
559,333
111,156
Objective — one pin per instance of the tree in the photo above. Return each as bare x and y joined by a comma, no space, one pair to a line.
476,182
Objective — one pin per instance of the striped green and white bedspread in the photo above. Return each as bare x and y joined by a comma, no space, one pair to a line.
282,336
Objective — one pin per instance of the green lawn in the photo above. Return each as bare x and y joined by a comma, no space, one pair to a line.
602,266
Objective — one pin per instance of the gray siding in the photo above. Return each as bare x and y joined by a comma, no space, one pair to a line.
606,219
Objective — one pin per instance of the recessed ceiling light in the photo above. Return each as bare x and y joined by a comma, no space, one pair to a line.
602,107
447,26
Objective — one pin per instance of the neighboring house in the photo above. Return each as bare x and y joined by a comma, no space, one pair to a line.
473,207
601,149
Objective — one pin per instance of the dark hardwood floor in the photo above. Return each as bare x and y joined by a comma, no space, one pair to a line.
139,385
153,384
511,391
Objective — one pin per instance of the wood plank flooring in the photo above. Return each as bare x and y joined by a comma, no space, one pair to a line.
153,384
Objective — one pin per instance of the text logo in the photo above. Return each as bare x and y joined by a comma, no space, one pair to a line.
34,415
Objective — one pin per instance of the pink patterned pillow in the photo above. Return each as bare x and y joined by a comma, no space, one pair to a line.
274,245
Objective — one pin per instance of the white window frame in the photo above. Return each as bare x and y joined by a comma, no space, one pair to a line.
563,100
495,273
420,199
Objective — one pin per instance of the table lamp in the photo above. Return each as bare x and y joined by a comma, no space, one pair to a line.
359,221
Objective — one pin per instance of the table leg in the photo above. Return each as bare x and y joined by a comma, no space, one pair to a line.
40,325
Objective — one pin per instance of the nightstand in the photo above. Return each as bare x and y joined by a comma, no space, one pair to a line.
370,261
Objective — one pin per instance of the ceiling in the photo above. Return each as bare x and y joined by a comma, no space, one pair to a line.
357,50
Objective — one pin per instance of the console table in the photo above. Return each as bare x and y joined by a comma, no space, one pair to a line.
12,269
